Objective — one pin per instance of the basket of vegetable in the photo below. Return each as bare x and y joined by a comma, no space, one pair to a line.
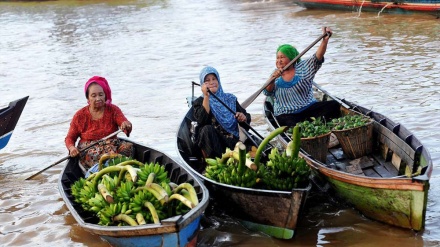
315,137
355,134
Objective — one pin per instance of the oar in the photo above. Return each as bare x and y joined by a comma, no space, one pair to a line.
251,99
81,150
232,111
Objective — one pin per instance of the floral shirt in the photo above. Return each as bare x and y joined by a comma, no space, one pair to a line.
87,129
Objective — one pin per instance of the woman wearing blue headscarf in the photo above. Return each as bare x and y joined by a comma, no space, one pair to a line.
218,126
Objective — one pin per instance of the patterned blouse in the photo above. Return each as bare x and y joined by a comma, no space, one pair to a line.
204,118
296,95
87,129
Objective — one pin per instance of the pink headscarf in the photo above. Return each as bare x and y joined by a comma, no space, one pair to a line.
104,84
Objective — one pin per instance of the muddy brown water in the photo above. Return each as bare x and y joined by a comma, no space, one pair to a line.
150,51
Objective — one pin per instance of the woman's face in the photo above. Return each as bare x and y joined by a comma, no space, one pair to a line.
96,96
282,60
211,82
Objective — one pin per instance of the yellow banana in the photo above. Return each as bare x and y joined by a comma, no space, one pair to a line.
153,212
155,193
150,178
105,157
140,219
163,193
127,219
132,172
191,191
181,198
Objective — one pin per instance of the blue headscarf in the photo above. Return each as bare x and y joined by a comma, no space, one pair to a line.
226,119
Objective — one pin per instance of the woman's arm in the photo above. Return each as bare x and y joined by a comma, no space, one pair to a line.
323,47
121,120
243,115
72,136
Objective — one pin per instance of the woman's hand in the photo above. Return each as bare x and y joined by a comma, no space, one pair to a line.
328,31
240,117
277,73
126,127
73,151
205,90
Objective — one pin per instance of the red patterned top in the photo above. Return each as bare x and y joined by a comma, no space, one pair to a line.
86,129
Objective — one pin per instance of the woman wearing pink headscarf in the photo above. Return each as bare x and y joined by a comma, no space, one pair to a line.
93,122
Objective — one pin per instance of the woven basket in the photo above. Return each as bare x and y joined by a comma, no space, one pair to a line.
356,142
317,146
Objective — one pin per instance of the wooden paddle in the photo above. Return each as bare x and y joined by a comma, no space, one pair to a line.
251,99
81,150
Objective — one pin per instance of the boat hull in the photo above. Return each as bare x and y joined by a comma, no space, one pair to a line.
381,191
275,213
397,7
8,119
177,231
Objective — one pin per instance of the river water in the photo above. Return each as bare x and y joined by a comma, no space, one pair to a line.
150,51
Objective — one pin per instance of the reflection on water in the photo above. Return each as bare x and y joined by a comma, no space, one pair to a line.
150,51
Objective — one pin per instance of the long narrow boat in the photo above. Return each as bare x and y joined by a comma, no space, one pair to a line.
380,190
431,7
178,231
8,119
275,213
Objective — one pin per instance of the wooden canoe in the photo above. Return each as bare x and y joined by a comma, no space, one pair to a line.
8,119
176,231
275,213
431,7
380,189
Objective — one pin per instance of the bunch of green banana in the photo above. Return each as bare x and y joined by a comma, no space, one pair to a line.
125,191
97,203
213,168
77,187
116,213
121,194
286,170
230,173
159,172
149,213
87,192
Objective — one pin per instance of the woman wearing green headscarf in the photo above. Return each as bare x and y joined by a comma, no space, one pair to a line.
292,90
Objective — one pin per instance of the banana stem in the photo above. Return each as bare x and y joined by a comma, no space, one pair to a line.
105,193
140,219
265,141
127,219
131,162
296,141
190,189
106,170
153,212
105,157
241,148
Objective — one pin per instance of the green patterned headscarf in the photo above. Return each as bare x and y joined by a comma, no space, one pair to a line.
289,51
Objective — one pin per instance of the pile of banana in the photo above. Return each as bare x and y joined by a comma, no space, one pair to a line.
284,170
129,192
229,172
233,168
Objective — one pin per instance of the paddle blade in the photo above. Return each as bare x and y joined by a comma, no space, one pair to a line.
251,99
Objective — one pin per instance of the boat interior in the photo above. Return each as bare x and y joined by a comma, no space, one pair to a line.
396,152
